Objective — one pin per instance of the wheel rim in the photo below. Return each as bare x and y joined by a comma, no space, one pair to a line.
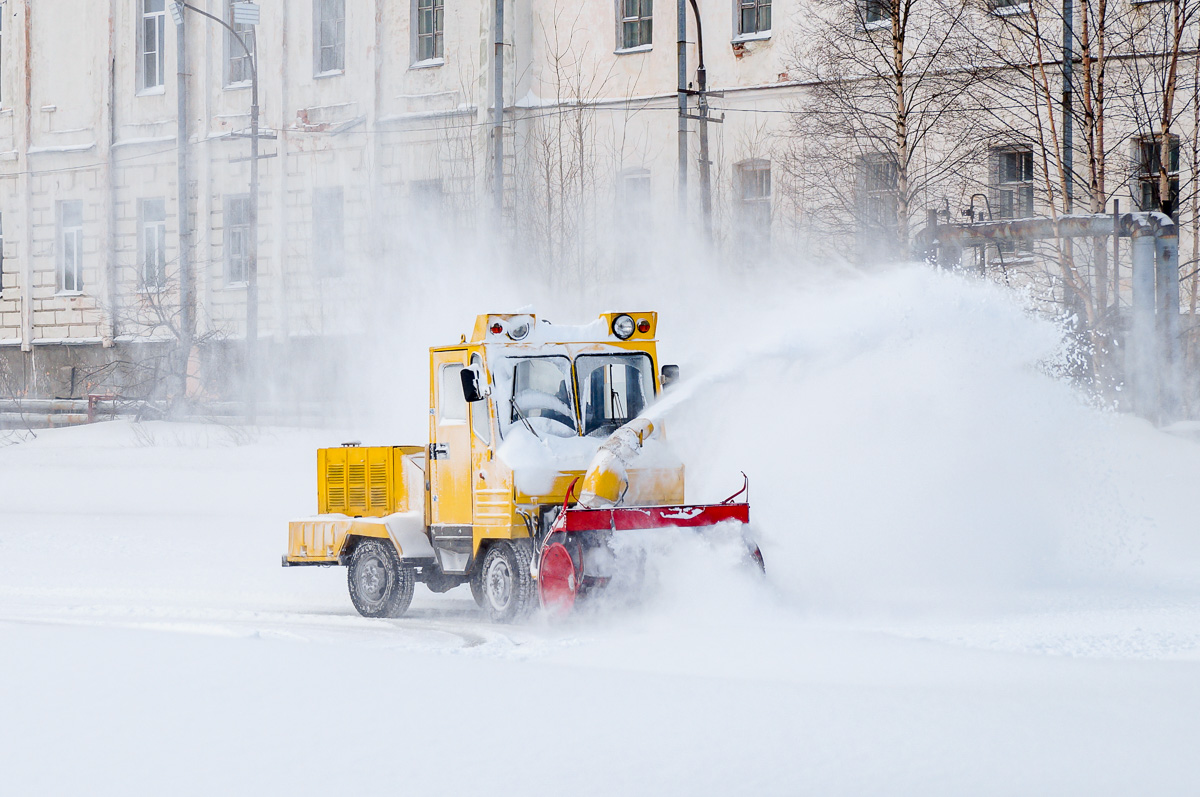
497,583
372,580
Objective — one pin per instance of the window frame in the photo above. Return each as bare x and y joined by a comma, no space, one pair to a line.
235,53
63,285
874,199
143,84
230,229
1023,183
1146,176
625,358
479,411
740,7
753,213
641,22
158,227
338,47
437,36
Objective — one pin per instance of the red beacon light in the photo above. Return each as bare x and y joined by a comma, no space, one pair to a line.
497,328
643,325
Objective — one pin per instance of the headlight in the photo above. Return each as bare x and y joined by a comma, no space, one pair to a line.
519,331
622,327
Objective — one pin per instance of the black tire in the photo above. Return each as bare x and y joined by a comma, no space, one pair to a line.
380,584
506,585
477,586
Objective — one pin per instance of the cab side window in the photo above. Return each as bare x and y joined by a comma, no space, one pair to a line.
452,405
479,409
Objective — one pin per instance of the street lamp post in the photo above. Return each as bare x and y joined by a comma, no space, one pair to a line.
244,13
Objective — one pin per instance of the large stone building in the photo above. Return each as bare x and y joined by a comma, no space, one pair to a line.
377,117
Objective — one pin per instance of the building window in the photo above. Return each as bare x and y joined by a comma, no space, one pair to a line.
152,243
151,30
430,17
752,198
70,246
239,68
1014,185
876,12
1008,7
237,239
637,21
329,22
878,191
328,250
754,16
1148,162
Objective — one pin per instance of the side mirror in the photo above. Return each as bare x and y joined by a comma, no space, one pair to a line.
669,375
474,383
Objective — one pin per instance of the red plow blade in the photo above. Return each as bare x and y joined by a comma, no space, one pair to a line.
561,575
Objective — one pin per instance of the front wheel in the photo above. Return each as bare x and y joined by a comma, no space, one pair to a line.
380,585
505,581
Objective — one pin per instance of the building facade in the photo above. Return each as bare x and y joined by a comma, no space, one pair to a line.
377,137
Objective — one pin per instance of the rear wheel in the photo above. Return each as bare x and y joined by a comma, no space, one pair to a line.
380,584
505,581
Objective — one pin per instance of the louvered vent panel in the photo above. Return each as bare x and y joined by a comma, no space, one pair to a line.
335,480
378,491
357,486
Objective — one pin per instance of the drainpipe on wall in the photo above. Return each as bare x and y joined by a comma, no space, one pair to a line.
27,180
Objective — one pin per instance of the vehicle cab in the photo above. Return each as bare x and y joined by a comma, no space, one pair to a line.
518,411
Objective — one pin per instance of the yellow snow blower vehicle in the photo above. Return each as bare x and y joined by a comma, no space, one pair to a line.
538,458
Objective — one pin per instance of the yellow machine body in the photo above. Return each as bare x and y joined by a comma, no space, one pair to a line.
465,493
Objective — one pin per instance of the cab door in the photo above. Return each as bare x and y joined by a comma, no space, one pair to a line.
450,462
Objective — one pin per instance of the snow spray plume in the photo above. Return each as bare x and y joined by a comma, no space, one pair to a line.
902,442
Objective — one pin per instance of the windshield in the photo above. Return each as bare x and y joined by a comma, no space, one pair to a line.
541,396
613,389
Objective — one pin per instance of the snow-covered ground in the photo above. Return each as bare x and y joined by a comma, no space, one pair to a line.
977,584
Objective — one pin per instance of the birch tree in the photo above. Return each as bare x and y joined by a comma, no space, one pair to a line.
885,127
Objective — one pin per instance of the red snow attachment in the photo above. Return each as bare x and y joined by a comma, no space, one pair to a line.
557,583
560,575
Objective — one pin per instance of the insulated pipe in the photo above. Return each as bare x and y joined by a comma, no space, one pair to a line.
1166,271
1141,354
606,480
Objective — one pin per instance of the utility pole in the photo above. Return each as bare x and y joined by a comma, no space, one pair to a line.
702,93
185,230
681,58
498,117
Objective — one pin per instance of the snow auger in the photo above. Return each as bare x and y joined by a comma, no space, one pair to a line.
576,556
520,415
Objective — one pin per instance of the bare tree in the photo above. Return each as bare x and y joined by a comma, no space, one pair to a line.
885,127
